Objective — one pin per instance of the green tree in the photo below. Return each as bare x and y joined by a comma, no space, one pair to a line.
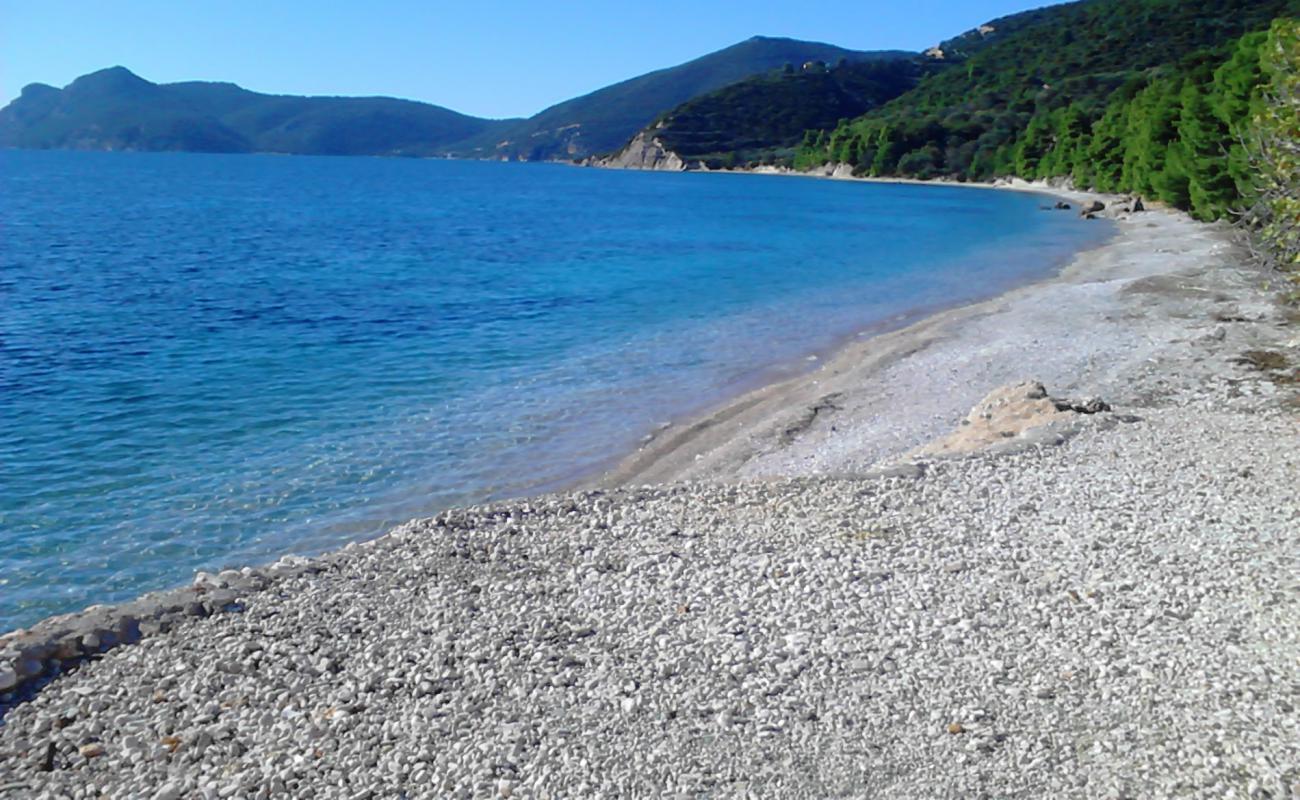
887,152
1105,149
923,163
853,153
1236,82
1203,151
1152,126
1274,148
1033,145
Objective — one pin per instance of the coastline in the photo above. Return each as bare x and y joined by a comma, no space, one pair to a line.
575,478
1052,615
753,434
765,432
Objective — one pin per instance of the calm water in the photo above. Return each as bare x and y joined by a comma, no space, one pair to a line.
215,360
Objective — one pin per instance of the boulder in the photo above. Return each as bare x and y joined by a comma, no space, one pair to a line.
1021,413
1094,207
645,151
1061,205
1137,204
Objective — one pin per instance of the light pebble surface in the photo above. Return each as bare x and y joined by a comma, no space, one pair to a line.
1117,616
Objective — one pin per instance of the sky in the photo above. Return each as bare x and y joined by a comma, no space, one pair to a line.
490,58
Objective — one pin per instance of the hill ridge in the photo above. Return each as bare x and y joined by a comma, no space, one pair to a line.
116,109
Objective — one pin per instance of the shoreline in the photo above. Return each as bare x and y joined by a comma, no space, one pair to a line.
595,475
680,452
1104,610
698,447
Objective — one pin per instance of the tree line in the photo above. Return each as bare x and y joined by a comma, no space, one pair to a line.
1216,133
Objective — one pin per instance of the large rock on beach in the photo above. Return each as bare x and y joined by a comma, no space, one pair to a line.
1009,413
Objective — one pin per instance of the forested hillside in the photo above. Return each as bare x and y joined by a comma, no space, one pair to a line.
1163,98
606,118
114,109
764,117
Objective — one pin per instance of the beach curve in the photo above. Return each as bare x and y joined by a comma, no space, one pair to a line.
1105,616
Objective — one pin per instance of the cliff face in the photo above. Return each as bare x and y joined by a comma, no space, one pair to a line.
645,151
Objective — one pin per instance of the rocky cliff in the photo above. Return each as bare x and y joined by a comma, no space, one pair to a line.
645,151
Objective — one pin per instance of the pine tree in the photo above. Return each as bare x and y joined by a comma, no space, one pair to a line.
887,153
853,153
1234,85
1105,148
1032,146
1202,139
1152,127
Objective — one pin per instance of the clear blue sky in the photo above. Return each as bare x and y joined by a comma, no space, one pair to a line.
491,58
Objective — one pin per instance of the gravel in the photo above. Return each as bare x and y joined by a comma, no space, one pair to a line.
1117,616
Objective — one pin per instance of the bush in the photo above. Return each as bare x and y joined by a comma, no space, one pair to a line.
1273,146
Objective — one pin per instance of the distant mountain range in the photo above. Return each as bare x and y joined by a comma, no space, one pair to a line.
114,109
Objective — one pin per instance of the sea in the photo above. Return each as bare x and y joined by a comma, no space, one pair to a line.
215,360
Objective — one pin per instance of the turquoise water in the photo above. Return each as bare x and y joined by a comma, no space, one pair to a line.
216,360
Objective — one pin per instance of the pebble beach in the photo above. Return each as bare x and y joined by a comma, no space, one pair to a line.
799,594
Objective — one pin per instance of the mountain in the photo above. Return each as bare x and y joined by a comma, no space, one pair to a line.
761,119
605,119
957,109
114,109
1189,102
978,39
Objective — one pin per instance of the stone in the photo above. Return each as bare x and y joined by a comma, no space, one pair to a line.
69,648
1007,412
1092,405
645,151
29,667
48,758
92,750
169,791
